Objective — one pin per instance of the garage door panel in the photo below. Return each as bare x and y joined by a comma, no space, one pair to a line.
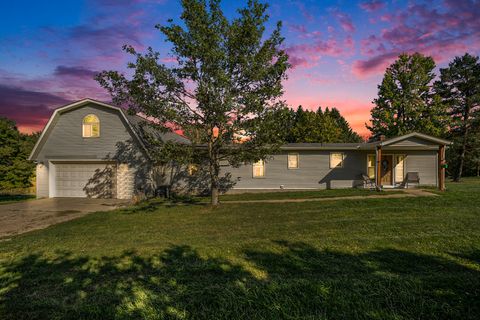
85,180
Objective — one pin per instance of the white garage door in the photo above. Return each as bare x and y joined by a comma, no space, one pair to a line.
94,180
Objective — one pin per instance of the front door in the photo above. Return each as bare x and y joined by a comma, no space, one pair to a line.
386,170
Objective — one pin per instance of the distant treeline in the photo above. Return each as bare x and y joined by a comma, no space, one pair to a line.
325,126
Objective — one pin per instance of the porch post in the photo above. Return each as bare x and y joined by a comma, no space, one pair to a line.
378,167
441,169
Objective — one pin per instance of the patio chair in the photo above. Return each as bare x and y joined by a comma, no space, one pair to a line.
412,177
367,182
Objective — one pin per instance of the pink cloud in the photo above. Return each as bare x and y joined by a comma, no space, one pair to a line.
372,5
345,21
308,54
375,65
305,13
441,33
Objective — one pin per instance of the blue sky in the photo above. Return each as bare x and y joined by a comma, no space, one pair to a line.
50,50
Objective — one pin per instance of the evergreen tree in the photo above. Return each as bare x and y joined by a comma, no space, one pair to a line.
347,133
305,126
15,170
406,102
459,88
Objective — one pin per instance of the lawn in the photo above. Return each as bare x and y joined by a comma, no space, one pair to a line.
344,259
305,194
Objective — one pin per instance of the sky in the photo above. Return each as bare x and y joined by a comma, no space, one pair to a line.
51,50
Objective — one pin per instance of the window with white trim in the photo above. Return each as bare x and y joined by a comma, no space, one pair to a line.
293,160
336,159
371,166
91,126
259,169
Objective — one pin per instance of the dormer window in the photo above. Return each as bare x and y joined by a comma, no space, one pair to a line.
91,126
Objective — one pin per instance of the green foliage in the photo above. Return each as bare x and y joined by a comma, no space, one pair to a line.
406,101
304,126
228,78
15,170
459,87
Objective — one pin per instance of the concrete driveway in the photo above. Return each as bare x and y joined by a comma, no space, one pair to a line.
24,216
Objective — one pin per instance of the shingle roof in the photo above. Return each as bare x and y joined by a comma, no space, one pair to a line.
144,129
328,146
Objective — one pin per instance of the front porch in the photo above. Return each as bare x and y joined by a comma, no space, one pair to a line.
390,161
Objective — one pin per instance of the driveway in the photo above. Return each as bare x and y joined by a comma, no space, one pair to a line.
20,217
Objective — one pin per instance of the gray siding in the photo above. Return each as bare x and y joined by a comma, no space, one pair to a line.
65,141
425,163
313,172
413,142
117,142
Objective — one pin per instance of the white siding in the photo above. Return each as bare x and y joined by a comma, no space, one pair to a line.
42,180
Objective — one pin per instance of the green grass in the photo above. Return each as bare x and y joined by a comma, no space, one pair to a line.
305,194
347,259
9,198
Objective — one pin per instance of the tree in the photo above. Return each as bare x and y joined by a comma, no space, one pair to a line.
305,126
406,102
347,133
15,170
227,81
459,87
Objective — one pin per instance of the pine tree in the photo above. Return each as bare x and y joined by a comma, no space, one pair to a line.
459,88
405,101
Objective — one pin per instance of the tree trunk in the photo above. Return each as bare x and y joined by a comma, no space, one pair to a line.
214,195
459,172
214,172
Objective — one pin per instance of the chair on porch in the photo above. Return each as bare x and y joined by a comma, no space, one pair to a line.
412,177
367,182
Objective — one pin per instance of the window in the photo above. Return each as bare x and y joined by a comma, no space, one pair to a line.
293,161
336,160
91,126
371,166
259,169
399,168
192,169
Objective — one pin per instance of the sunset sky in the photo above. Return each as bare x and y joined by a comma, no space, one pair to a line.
50,50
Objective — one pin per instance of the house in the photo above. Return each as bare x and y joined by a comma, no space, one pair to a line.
92,149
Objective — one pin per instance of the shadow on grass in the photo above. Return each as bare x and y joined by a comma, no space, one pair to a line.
178,283
6,198
152,205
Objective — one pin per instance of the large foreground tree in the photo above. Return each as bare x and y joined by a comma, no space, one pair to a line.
227,80
459,87
406,102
